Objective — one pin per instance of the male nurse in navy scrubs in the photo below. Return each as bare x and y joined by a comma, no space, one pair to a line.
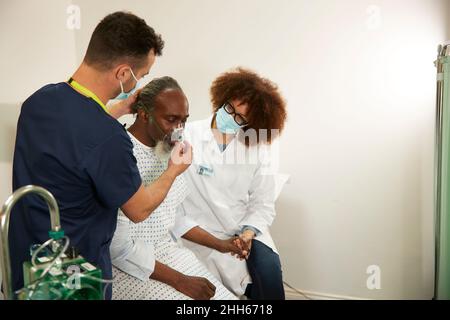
68,143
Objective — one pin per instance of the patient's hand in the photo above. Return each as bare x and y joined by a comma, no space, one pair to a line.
181,157
232,246
244,242
197,288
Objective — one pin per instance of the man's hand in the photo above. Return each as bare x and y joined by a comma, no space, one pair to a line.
244,242
181,157
123,107
231,245
197,288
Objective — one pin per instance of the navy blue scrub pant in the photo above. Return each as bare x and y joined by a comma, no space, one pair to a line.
265,269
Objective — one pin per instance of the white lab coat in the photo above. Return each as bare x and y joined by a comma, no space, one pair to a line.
231,196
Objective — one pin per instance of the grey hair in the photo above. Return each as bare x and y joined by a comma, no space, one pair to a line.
145,100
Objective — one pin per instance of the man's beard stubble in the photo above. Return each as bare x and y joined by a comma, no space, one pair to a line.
163,151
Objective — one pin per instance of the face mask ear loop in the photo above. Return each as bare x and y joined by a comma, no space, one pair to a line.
152,120
134,75
121,86
120,81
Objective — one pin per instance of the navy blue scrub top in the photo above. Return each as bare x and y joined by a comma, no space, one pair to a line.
67,144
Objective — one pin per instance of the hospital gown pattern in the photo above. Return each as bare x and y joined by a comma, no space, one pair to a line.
155,231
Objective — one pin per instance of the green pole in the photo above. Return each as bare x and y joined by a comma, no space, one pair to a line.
442,177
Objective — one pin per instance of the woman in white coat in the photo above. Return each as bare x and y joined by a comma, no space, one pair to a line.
232,181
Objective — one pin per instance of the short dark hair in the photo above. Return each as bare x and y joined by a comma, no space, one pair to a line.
146,98
267,108
122,35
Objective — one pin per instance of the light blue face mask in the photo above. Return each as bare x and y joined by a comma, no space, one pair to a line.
225,122
124,95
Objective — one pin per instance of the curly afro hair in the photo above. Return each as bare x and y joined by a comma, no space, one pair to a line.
266,106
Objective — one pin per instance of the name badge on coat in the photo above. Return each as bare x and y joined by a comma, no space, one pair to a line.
205,170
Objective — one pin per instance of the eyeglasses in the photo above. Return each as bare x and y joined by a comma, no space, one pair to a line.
237,117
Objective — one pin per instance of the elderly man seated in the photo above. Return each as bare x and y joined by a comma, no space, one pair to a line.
148,262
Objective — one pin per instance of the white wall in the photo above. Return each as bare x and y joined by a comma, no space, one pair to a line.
360,82
361,193
448,20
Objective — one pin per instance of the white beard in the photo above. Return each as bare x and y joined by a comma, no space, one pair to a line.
163,151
